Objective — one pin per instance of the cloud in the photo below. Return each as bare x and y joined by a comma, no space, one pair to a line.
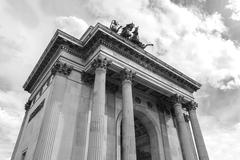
23,12
234,5
9,49
9,127
222,143
223,105
11,114
72,25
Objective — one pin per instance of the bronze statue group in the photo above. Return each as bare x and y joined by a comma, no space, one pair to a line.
129,32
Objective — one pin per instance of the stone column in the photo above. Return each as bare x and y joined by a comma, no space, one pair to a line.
27,107
128,130
182,128
186,117
98,130
199,141
53,107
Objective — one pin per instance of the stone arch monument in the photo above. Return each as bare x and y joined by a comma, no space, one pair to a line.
103,97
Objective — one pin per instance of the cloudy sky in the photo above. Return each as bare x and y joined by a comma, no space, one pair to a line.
201,39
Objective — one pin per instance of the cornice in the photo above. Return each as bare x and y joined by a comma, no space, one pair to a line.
101,35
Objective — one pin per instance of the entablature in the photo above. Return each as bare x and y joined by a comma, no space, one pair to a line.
102,36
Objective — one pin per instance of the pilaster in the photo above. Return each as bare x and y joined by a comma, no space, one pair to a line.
53,106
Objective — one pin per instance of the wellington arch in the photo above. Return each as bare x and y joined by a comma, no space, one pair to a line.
103,97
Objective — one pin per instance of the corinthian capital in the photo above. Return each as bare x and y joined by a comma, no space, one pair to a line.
127,74
176,98
191,105
101,62
63,68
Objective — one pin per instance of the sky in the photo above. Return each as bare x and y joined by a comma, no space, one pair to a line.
200,39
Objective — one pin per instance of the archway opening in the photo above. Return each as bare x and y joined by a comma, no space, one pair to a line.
143,146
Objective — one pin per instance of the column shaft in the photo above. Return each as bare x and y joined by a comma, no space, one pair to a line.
97,137
98,126
201,148
190,136
128,130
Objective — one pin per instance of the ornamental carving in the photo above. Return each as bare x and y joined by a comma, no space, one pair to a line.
176,98
28,105
62,68
138,100
101,62
191,105
127,74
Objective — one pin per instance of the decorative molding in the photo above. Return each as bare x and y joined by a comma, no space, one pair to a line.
61,68
138,100
101,62
127,74
28,105
68,49
191,105
177,99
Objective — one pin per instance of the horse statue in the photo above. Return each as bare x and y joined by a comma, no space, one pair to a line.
135,39
126,31
115,26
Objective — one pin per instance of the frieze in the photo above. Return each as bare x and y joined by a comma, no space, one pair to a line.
69,50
